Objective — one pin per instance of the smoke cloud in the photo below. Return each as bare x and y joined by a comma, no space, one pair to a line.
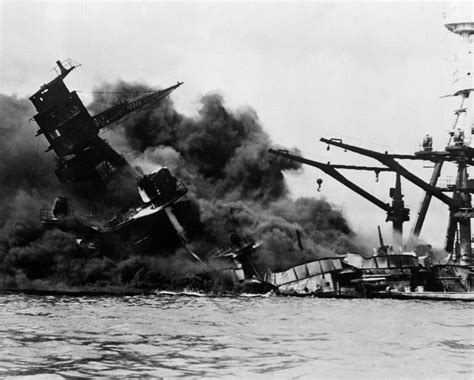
221,155
26,172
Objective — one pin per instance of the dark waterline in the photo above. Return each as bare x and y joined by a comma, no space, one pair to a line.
170,336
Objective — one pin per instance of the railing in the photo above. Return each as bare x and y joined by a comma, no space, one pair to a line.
46,215
232,250
68,64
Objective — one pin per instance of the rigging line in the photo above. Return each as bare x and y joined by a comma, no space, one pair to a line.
314,156
116,92
324,159
358,139
106,103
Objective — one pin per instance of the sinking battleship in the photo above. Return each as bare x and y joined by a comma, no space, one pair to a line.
398,271
127,212
156,216
151,212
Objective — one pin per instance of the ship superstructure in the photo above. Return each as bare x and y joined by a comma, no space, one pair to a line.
73,134
456,272
149,215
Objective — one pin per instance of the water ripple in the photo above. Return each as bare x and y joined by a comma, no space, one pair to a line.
169,336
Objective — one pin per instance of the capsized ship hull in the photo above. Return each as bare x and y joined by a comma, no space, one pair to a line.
327,277
398,276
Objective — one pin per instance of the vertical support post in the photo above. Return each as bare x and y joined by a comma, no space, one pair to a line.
451,236
398,207
464,221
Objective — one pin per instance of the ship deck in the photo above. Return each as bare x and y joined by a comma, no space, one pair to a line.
432,296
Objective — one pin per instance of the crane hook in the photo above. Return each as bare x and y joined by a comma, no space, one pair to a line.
319,181
377,176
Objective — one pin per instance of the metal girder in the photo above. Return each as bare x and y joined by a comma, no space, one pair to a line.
376,169
389,161
330,170
424,206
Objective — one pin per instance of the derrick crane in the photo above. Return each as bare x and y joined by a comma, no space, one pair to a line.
397,213
73,134
458,151
459,204
389,161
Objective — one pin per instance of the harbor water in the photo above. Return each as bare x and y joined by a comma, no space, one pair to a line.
246,337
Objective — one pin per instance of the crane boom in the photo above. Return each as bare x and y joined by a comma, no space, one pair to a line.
120,110
390,162
330,170
397,213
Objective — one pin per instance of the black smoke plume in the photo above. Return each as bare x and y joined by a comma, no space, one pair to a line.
236,187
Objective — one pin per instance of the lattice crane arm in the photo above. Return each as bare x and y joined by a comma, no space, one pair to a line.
117,112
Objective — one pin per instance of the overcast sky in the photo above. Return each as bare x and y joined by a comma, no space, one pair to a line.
370,73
